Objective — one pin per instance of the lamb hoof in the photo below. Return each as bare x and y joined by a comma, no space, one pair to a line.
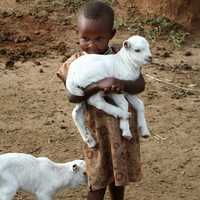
89,139
128,136
146,136
91,143
144,132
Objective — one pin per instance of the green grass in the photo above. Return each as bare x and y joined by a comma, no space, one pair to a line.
155,28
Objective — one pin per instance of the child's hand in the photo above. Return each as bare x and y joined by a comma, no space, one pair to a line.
107,85
62,72
91,90
110,85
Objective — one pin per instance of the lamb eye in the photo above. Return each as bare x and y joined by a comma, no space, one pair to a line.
137,50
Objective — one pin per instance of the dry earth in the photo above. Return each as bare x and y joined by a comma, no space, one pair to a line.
35,116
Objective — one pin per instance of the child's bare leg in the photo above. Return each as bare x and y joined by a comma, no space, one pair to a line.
99,102
79,120
122,103
139,107
116,192
96,195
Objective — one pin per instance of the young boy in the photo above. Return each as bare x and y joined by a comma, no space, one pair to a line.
115,161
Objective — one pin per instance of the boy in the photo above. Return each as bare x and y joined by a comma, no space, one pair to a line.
115,161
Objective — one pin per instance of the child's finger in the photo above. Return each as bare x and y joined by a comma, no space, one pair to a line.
118,89
106,89
113,87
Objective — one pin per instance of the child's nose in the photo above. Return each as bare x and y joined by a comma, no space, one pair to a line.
92,44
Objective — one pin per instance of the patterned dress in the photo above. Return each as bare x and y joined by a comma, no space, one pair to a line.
114,159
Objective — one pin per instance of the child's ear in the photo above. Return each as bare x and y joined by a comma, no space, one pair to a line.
113,33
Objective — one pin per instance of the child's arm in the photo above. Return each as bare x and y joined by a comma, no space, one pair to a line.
75,99
116,85
110,85
134,87
89,91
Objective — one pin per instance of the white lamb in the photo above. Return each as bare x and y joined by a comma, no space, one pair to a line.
39,176
124,65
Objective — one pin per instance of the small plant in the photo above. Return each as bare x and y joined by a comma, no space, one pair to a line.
74,5
110,2
162,24
163,27
177,37
120,23
151,34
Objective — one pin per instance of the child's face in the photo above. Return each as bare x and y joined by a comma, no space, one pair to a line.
94,35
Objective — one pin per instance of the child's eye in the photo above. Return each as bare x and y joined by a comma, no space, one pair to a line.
84,38
137,50
99,39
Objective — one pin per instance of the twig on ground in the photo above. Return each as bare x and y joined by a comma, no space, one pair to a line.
171,84
158,137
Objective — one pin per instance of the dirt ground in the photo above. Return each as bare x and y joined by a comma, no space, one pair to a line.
35,116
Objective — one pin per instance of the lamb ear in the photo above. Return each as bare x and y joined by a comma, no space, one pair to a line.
75,168
126,44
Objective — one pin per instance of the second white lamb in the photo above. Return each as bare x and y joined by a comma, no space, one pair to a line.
39,176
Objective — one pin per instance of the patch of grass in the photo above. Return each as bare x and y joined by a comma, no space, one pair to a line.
162,24
110,2
71,5
74,5
156,28
178,37
120,23
163,27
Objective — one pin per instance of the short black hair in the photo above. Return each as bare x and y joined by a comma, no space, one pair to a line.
95,9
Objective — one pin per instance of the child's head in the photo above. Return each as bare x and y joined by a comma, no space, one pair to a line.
95,26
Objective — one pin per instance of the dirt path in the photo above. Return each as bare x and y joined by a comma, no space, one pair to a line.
35,116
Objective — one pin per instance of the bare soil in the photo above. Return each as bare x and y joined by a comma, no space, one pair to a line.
35,116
